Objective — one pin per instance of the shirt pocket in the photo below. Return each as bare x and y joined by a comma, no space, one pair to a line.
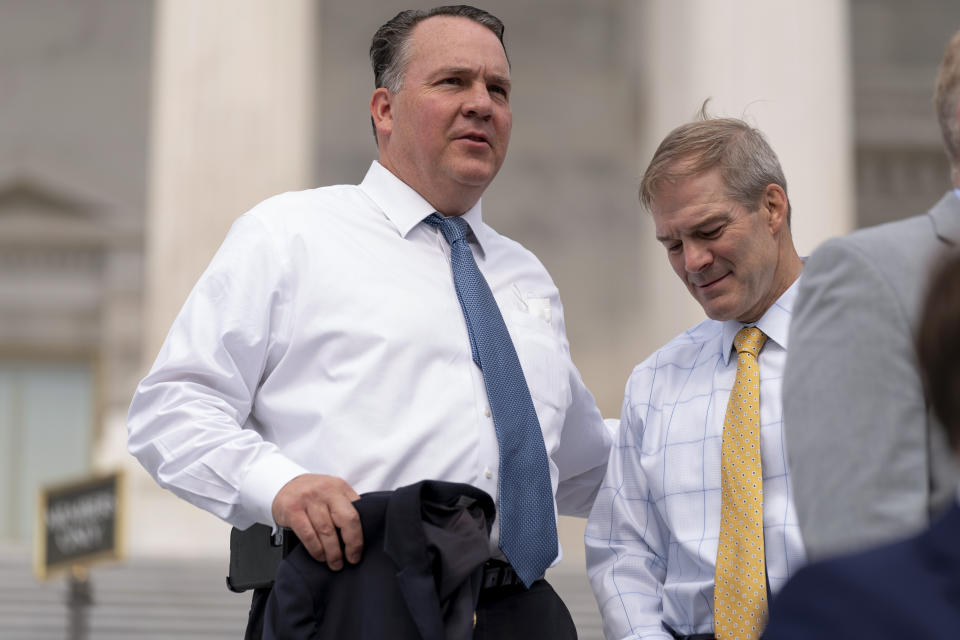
545,364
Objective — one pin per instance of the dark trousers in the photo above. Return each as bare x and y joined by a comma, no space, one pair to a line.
258,607
512,612
503,613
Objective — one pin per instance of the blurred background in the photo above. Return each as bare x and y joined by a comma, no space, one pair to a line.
133,132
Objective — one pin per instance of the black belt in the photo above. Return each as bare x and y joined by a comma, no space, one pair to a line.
497,574
680,636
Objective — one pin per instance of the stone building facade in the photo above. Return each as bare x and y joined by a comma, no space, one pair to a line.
133,133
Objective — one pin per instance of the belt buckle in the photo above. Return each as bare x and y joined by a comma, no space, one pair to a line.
498,575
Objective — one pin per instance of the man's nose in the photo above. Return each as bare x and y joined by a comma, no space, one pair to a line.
696,257
478,103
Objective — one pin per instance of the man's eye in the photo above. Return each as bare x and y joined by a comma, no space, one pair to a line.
712,233
497,89
455,81
674,247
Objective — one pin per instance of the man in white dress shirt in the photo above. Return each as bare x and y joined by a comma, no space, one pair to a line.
324,353
719,204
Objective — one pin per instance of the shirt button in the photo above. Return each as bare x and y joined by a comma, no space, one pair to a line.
486,412
487,473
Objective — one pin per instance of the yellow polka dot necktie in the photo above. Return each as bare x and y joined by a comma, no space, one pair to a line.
740,585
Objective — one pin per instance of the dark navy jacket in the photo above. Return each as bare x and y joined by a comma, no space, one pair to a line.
910,589
424,549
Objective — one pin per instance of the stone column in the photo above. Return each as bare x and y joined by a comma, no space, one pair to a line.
232,109
233,96
782,66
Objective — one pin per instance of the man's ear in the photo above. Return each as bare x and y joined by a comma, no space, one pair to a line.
381,111
774,203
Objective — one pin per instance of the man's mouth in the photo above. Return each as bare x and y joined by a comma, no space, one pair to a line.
475,137
706,285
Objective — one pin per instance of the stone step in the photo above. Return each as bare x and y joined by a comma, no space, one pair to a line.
138,599
149,599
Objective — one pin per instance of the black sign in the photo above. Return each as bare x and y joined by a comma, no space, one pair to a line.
79,523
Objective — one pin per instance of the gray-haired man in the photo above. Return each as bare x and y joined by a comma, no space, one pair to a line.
695,517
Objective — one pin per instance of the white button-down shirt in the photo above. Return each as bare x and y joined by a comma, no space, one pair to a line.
326,337
652,535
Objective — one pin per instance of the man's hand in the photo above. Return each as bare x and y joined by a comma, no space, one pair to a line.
315,506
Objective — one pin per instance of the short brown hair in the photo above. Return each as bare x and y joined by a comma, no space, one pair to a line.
946,98
747,163
389,49
938,345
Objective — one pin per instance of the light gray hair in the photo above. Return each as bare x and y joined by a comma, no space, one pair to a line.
746,161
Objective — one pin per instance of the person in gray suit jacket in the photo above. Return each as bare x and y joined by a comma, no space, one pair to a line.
911,588
867,461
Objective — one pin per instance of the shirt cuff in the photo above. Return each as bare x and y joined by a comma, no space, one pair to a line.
262,483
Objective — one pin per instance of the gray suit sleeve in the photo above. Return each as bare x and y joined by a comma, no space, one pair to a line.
854,408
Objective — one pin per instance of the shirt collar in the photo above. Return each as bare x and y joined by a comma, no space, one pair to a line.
775,322
406,208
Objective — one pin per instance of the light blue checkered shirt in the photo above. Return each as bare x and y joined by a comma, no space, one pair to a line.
652,535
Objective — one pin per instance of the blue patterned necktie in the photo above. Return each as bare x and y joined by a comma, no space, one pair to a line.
528,528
